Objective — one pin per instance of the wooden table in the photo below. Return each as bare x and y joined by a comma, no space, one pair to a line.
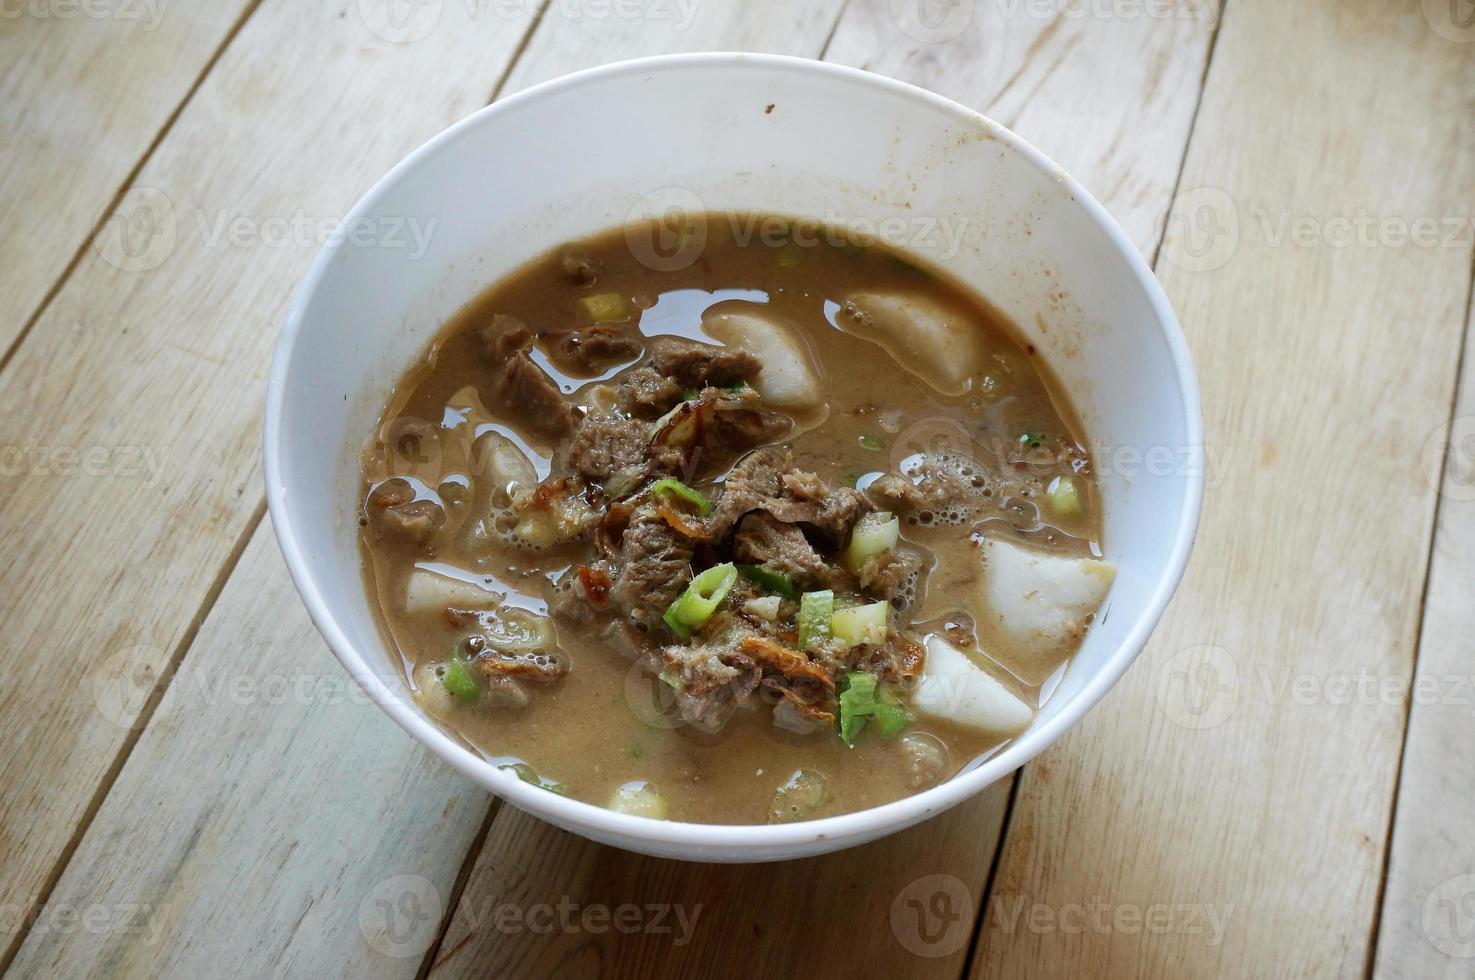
1282,786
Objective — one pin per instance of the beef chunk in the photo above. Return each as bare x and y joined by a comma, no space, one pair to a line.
518,386
761,540
951,487
645,393
655,566
606,444
764,480
694,365
587,351
579,266
893,576
710,428
396,513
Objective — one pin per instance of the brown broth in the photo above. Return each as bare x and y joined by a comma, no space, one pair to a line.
602,726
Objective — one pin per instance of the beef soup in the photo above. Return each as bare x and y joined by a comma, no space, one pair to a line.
796,529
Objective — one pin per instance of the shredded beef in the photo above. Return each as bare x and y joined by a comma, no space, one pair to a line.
760,481
694,365
655,566
395,511
762,540
587,351
707,430
605,444
645,393
887,575
518,386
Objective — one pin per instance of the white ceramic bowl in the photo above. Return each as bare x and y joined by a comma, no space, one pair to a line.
730,131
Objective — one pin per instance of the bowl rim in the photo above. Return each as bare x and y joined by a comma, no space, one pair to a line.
761,841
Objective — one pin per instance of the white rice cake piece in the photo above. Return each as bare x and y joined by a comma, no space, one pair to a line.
428,591
942,345
955,688
1035,605
789,381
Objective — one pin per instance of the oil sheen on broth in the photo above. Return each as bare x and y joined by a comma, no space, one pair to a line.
787,532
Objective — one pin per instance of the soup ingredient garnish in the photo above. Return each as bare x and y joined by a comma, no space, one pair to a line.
639,799
863,696
798,798
458,680
868,441
669,487
1063,496
769,580
530,776
701,598
816,610
606,307
875,534
860,624
1031,440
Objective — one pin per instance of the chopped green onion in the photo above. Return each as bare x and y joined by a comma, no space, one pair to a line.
815,611
769,581
874,534
870,442
528,775
862,696
683,492
700,600
890,715
857,702
860,624
1033,440
1064,497
458,680
789,256
606,307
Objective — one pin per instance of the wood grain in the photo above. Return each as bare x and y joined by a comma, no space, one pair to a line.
1233,776
762,920
326,875
82,98
155,375
1427,927
268,810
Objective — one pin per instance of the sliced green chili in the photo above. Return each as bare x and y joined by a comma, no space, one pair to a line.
700,600
769,581
681,491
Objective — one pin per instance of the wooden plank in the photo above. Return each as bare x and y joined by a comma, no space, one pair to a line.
1224,812
266,812
136,400
526,864
545,903
1426,927
246,802
82,98
577,34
